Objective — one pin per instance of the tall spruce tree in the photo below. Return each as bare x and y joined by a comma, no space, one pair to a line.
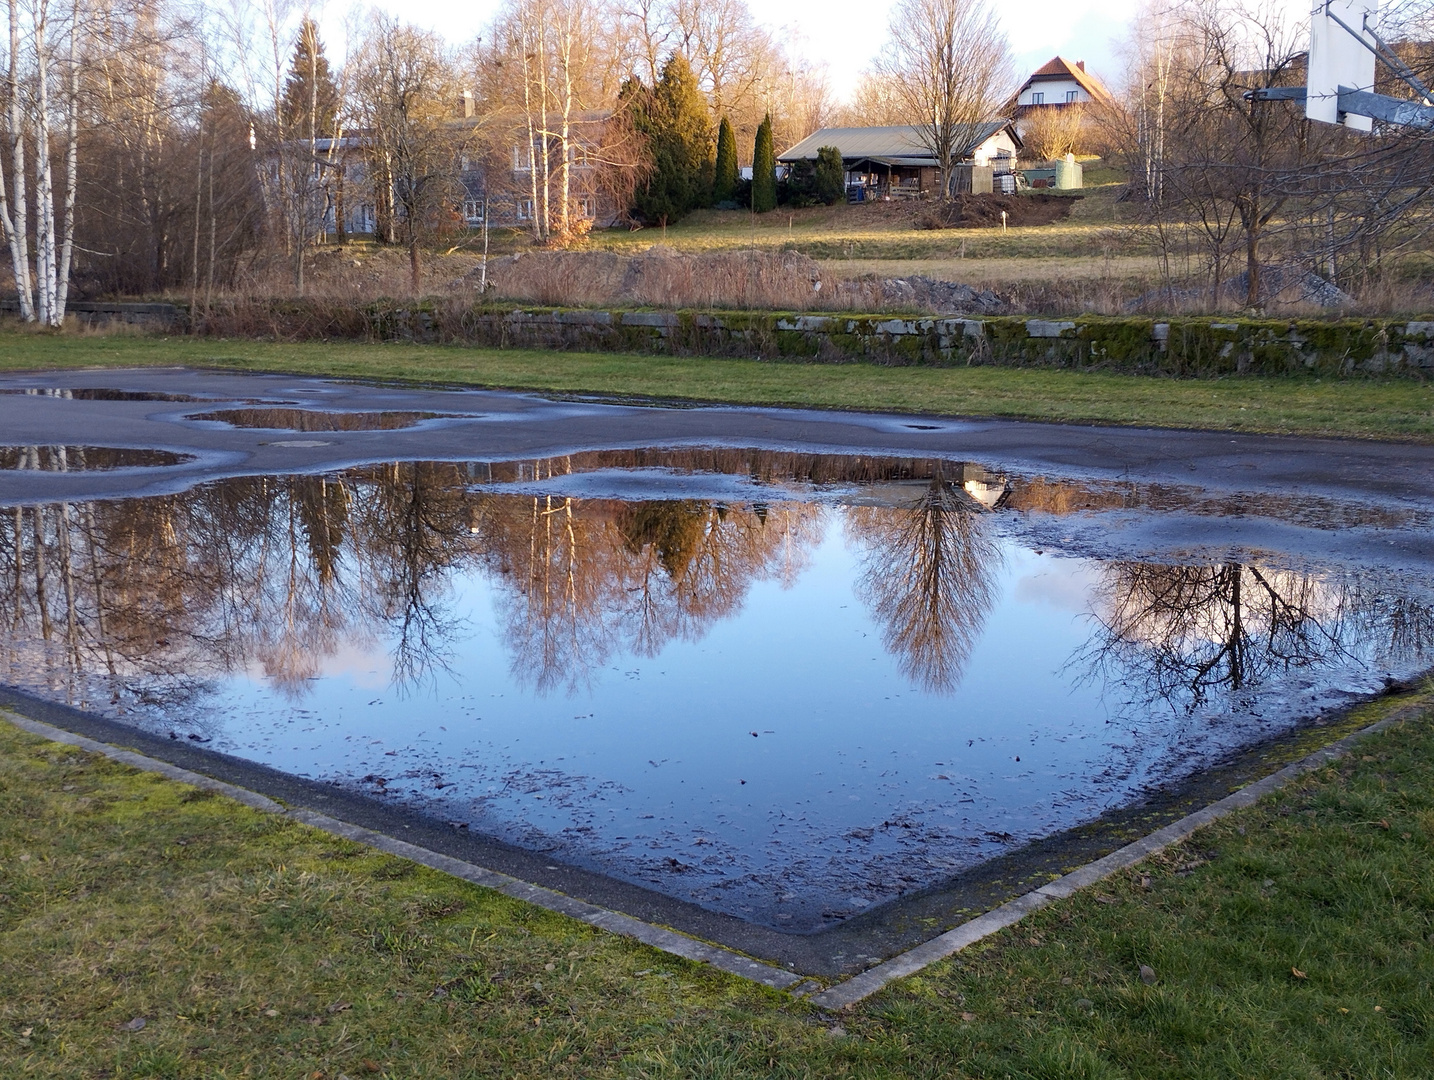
673,117
311,100
764,169
726,176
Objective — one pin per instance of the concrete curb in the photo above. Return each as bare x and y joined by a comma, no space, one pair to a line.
846,994
837,997
614,922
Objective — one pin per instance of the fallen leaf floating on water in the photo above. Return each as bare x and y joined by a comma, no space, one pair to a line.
1297,973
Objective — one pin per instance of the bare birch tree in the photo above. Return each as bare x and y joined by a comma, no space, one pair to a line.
42,87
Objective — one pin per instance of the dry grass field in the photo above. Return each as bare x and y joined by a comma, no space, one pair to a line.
1095,257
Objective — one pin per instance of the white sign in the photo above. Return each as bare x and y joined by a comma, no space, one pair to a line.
1339,58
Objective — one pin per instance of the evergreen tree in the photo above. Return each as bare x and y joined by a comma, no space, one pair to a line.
830,175
310,103
724,182
673,118
764,169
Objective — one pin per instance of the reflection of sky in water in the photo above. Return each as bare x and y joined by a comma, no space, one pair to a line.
789,712
855,785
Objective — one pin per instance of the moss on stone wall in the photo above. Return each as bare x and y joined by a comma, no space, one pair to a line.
1201,347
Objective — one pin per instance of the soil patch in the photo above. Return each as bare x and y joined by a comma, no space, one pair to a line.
984,211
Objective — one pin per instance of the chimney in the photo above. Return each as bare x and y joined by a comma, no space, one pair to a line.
1080,64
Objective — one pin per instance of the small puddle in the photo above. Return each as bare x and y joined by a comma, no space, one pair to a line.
317,420
97,393
86,458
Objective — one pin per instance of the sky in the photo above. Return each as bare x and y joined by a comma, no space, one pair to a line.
844,34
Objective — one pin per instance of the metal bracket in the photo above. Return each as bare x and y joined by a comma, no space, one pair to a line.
1359,102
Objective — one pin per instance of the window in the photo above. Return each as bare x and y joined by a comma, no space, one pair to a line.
1072,96
1038,98
525,209
578,155
587,206
473,211
522,162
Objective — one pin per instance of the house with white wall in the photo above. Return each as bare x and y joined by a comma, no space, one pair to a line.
1059,82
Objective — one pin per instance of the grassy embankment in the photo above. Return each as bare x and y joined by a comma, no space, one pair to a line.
1293,939
1360,408
891,231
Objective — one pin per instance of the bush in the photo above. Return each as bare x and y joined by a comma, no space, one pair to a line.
830,178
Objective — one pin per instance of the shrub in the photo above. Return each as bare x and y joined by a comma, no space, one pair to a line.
830,175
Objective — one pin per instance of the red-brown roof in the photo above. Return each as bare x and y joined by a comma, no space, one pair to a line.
1058,67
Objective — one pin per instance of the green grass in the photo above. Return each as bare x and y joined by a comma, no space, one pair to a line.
254,946
1359,407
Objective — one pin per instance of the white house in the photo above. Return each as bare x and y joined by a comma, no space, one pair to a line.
1059,82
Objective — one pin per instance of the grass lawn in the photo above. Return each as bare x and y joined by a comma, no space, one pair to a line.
1294,939
887,231
1361,408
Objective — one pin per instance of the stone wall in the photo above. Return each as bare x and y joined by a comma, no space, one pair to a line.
1188,347
1181,347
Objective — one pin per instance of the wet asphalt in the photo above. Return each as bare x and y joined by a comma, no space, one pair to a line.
494,426
500,426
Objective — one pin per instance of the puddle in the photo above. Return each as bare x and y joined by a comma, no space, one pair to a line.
97,393
317,420
85,458
788,687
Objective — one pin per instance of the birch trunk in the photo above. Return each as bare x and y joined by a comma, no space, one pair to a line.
72,164
17,223
44,183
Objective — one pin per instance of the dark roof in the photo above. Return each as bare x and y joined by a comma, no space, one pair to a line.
900,144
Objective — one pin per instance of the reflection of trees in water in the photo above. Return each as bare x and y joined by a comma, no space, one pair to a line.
160,594
1180,633
588,578
149,598
928,575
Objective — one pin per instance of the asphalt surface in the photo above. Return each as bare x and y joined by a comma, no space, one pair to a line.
492,426
507,426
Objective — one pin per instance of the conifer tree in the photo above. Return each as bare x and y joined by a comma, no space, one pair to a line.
724,182
673,117
830,175
311,100
764,169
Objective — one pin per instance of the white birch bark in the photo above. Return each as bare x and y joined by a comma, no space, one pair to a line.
17,224
44,184
72,162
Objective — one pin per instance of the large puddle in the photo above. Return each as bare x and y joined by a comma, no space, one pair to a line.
788,687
